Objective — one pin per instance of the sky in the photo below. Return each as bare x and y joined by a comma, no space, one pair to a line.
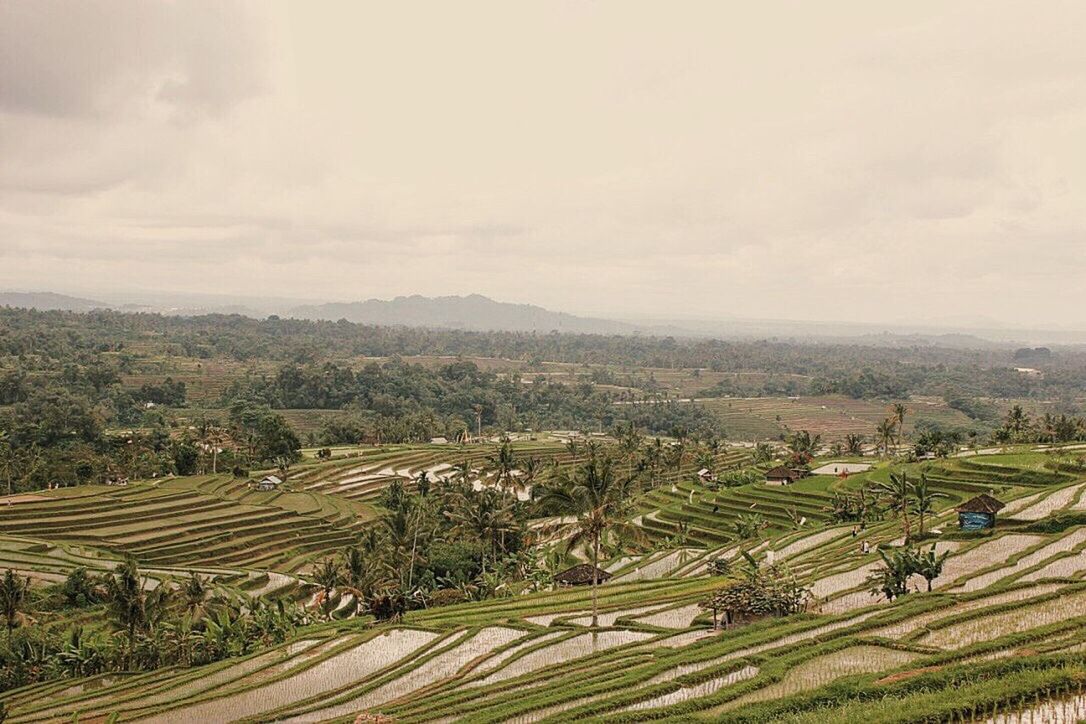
854,161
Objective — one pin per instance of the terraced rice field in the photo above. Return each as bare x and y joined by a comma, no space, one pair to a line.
1018,619
762,418
532,657
822,670
185,523
361,477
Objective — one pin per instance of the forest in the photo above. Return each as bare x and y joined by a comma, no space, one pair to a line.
89,396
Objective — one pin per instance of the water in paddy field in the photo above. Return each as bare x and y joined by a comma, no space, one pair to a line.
1054,711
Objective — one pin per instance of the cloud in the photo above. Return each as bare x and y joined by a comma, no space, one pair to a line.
101,58
845,161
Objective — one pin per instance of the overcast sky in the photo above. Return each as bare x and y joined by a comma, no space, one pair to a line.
861,161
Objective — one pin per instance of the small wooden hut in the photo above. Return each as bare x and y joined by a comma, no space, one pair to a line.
271,482
979,513
782,475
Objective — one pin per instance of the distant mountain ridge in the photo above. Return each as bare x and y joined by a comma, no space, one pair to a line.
473,312
49,301
476,312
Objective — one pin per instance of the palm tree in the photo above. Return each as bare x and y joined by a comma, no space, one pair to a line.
898,492
899,410
13,594
763,453
924,498
422,483
884,434
360,575
463,473
571,446
195,593
599,499
678,453
485,516
929,564
892,580
127,603
503,464
327,575
854,444
401,535
706,460
213,438
7,456
652,459
749,525
630,439
803,446
530,470
1017,420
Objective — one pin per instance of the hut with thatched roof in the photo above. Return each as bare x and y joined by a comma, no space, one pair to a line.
581,575
979,513
782,475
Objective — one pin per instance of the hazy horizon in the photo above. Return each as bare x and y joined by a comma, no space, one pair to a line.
846,162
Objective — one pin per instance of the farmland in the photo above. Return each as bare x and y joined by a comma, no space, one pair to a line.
225,520
831,417
1004,628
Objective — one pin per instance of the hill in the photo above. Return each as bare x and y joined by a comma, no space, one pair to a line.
473,312
49,301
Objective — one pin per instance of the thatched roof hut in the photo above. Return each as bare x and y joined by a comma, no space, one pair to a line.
983,503
979,512
782,475
581,575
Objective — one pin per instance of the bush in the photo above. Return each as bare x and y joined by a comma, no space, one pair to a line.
447,597
79,589
457,561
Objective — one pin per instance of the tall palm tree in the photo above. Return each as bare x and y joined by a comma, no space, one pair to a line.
127,603
13,595
485,516
652,459
361,571
678,453
213,439
599,501
900,410
706,460
898,493
401,533
884,434
923,499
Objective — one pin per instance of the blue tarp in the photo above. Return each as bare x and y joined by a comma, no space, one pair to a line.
976,521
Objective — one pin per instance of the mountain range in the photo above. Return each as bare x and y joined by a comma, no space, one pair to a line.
473,312
476,312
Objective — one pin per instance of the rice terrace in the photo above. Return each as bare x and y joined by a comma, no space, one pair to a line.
542,361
